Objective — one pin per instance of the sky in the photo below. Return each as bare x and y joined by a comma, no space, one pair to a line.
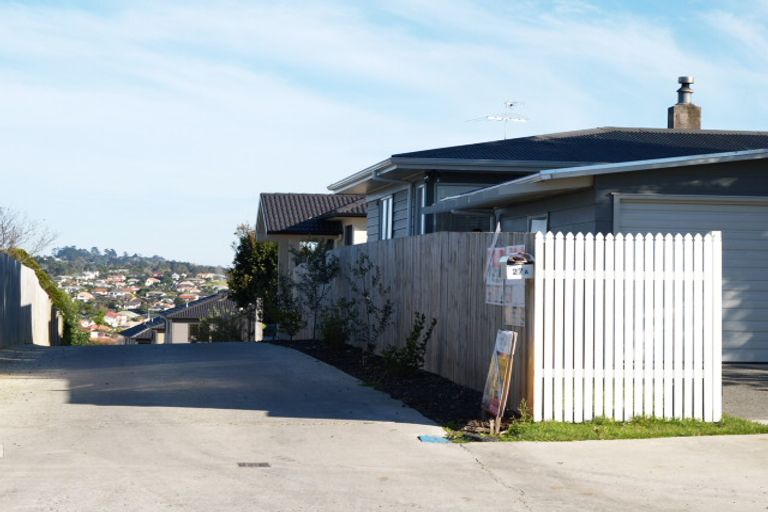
152,127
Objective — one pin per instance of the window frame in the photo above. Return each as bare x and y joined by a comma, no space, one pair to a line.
386,212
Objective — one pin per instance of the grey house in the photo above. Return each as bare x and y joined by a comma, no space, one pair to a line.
609,180
400,189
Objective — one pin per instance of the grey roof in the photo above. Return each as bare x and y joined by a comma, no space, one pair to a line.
608,144
195,310
309,213
140,331
202,308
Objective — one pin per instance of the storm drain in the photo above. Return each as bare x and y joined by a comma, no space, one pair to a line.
253,464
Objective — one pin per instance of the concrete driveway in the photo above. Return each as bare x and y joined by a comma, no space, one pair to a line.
231,427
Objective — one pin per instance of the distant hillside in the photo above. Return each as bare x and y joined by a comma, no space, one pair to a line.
71,260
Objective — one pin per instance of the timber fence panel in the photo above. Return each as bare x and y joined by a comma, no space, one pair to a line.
443,276
642,336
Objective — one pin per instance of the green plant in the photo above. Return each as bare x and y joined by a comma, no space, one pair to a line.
317,269
409,358
73,334
221,325
289,314
337,323
253,278
368,286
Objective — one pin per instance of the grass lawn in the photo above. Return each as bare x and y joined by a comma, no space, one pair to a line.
639,428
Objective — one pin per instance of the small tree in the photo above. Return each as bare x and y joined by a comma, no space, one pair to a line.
373,296
19,231
290,316
254,274
313,278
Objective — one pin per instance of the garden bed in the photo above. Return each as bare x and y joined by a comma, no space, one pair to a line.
437,398
457,408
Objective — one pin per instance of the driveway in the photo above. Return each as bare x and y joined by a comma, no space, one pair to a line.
231,427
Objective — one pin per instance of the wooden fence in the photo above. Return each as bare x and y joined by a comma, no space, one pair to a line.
627,326
442,276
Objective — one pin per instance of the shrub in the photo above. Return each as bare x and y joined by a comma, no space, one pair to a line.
409,358
289,312
337,323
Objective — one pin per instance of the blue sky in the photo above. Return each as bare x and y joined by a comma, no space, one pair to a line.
152,127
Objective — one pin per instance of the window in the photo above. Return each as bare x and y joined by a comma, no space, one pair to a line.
538,224
421,202
385,210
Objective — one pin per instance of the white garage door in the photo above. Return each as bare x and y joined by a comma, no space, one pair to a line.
744,223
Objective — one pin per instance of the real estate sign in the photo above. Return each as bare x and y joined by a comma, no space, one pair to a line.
499,373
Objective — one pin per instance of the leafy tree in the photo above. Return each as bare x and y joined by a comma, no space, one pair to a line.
254,275
313,278
100,316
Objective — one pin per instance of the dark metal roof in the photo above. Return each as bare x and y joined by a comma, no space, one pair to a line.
607,144
202,308
309,213
138,331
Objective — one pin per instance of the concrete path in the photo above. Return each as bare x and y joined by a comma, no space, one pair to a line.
745,391
232,427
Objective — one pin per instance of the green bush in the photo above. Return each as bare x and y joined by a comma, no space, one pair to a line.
337,323
409,358
73,335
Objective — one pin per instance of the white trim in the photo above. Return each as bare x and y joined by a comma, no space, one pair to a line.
680,199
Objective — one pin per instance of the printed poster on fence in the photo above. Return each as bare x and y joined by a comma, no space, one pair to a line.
498,290
499,373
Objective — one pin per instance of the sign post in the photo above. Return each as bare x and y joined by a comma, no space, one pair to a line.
499,378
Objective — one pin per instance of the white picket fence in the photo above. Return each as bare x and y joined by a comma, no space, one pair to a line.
627,326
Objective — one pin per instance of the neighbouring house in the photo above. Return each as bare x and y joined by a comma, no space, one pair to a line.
85,297
180,324
151,332
291,220
681,179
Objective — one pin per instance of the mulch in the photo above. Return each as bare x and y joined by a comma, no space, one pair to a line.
437,398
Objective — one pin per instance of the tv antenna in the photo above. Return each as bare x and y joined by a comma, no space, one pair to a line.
506,117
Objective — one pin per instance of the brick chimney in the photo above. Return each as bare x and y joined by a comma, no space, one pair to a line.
684,115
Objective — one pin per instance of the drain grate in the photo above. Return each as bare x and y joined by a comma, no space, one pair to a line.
253,465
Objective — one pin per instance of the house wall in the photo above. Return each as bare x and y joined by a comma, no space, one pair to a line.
176,332
574,212
401,218
437,185
730,179
359,229
374,220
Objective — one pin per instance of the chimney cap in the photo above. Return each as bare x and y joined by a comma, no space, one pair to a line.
685,80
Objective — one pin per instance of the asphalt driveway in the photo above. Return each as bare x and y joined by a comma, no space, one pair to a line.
231,427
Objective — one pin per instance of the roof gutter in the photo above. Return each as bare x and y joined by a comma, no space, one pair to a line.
552,181
378,171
